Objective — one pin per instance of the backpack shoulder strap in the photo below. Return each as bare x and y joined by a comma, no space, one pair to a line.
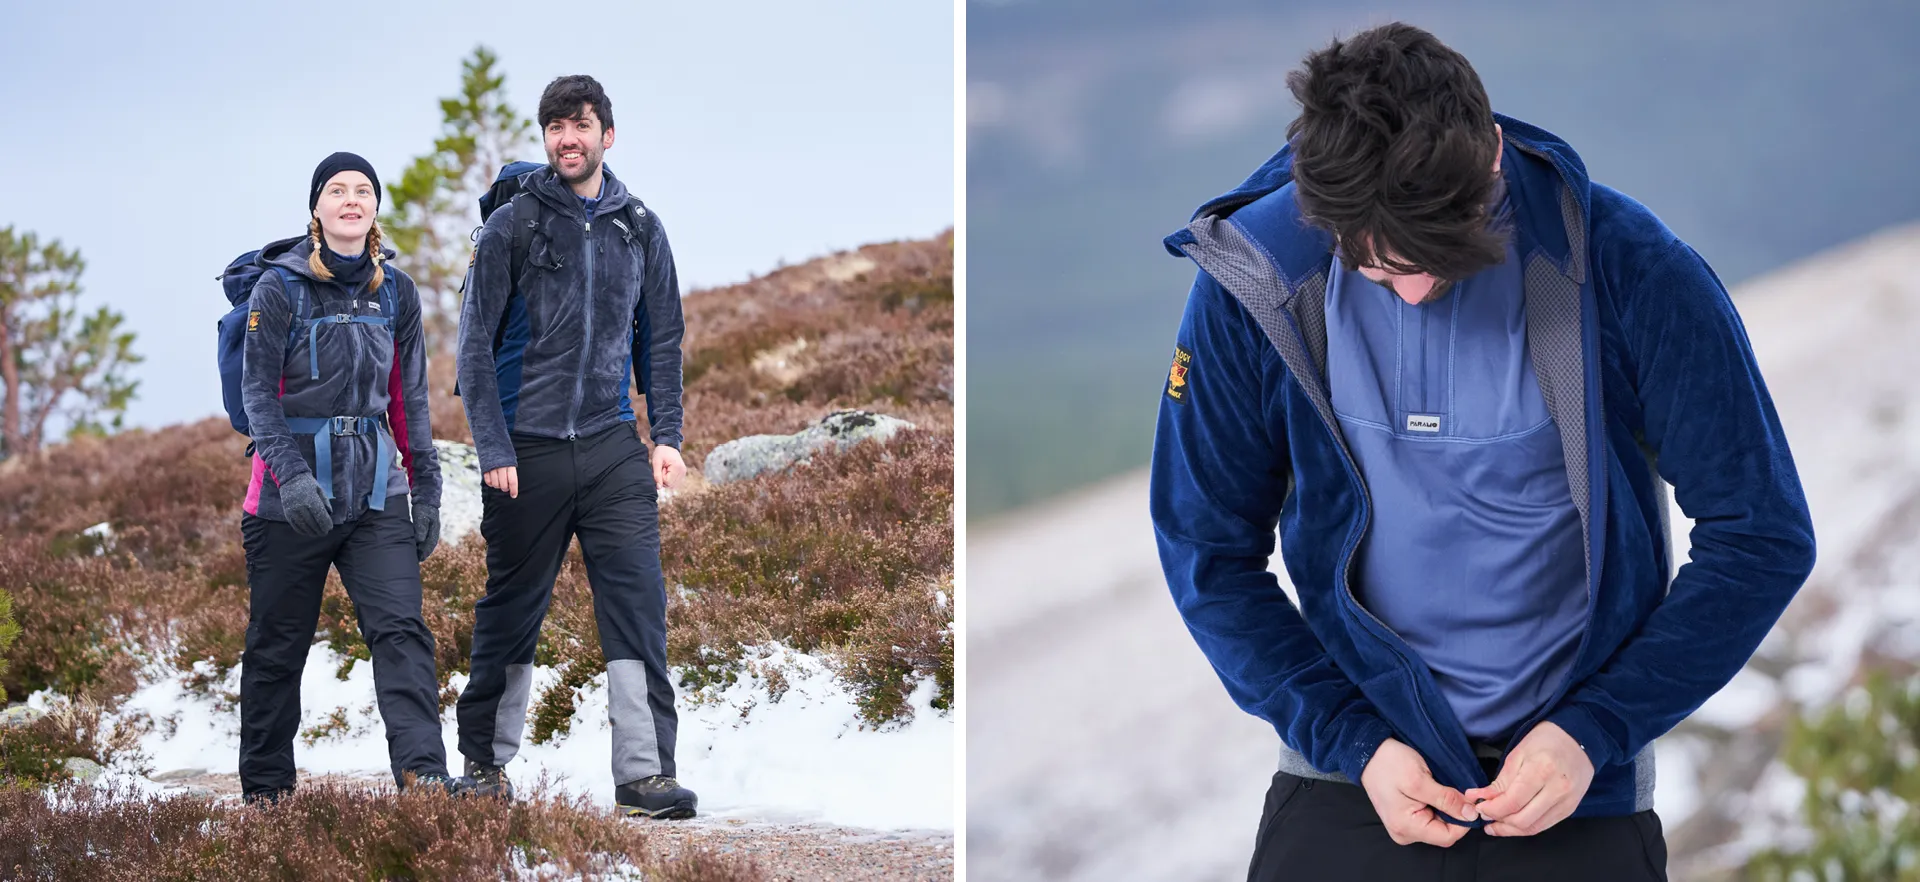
523,231
296,303
642,219
387,297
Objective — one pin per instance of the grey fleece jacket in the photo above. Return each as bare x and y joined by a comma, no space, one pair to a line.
365,371
551,353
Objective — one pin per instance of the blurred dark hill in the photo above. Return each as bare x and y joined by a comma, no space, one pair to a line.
1761,132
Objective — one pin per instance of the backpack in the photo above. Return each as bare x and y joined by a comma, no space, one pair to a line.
238,280
507,189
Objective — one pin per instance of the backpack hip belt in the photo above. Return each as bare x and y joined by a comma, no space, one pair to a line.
324,428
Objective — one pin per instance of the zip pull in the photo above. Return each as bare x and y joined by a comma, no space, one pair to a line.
589,226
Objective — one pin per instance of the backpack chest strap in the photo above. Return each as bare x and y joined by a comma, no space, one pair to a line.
313,335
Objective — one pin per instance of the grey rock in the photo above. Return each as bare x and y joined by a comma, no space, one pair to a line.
177,775
19,715
84,769
756,455
459,490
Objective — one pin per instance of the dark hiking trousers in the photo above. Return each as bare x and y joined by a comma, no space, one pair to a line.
599,488
286,573
1327,831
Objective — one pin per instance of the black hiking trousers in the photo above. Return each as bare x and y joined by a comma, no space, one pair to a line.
600,488
1327,831
286,574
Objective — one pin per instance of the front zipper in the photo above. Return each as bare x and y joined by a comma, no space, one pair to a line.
359,362
586,343
1353,547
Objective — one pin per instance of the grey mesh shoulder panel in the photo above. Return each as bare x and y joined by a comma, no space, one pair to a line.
1576,235
1553,342
1225,253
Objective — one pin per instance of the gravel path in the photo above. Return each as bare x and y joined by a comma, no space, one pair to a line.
810,851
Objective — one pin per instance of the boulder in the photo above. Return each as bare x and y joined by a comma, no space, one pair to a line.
756,455
459,490
176,775
83,769
19,715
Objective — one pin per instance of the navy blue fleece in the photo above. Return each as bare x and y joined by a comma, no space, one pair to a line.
1671,391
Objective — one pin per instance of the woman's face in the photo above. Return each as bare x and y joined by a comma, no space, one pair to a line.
346,206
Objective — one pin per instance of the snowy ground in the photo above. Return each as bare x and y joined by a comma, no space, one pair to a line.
1101,745
803,759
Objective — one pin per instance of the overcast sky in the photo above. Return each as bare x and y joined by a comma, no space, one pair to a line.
161,140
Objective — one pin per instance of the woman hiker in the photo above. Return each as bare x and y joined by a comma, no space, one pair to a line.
335,382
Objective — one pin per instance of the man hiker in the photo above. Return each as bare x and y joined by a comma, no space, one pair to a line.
1456,376
572,293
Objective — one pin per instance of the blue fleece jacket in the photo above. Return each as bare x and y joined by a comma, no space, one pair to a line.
1648,377
553,352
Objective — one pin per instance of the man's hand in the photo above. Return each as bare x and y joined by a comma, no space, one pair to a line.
1405,796
667,467
505,479
1541,782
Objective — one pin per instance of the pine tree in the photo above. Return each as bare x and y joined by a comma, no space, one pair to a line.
433,203
1861,763
54,359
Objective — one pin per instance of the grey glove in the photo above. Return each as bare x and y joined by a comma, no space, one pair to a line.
426,529
307,510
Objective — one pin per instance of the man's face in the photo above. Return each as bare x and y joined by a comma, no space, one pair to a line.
1418,288
346,206
1414,289
575,145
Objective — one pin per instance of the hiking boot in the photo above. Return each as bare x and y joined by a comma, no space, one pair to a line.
266,797
441,782
486,779
658,797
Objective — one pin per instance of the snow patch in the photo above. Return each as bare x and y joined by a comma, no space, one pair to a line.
801,758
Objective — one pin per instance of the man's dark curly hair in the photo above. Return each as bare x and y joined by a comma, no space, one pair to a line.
1394,152
565,97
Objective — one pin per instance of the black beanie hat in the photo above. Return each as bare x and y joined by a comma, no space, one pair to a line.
335,164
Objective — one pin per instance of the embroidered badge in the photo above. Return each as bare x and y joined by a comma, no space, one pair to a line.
253,321
1177,376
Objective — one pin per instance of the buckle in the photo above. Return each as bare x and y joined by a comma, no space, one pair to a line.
346,425
342,319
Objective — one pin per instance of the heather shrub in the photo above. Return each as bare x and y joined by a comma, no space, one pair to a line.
330,833
171,495
845,553
9,632
35,753
80,618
